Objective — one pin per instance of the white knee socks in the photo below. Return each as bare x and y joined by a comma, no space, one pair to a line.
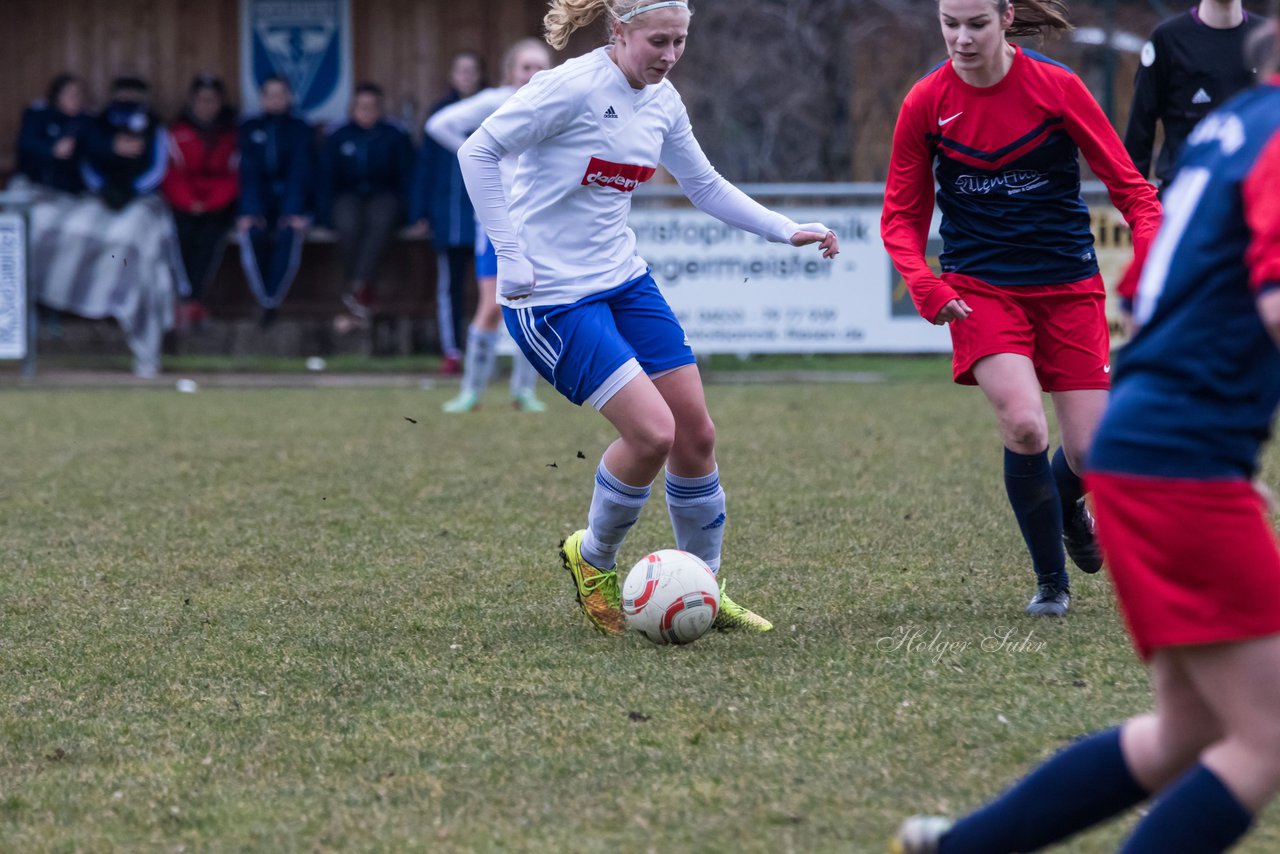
615,507
523,376
482,355
696,507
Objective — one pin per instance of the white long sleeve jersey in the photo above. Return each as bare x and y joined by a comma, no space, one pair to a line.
450,126
586,140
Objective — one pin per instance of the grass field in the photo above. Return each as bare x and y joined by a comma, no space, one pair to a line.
295,620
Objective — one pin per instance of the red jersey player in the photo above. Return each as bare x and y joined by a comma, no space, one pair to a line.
1000,129
1189,545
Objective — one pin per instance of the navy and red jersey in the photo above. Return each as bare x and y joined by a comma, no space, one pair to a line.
1006,161
1197,388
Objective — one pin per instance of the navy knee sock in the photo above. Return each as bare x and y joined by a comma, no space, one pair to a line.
1082,785
1033,493
1070,486
1197,814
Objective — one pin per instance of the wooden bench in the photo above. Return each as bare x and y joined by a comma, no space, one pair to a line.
403,313
406,281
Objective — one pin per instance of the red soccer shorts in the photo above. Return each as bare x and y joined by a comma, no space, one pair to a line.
1193,562
1062,329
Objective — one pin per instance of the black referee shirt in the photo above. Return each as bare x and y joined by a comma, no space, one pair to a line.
1188,70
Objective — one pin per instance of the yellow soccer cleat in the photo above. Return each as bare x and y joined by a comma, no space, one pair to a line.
734,616
598,593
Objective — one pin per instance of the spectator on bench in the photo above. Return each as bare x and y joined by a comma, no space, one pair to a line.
366,167
275,174
202,185
440,199
49,141
113,253
126,147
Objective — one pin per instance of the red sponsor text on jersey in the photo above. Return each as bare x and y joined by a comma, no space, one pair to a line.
623,177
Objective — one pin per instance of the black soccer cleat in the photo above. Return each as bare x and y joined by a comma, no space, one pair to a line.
1051,600
1080,540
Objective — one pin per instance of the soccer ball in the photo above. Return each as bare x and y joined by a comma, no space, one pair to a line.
670,596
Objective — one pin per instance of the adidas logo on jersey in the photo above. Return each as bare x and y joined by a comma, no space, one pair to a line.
1201,97
611,113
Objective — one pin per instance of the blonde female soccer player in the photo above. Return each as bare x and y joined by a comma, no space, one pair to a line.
578,299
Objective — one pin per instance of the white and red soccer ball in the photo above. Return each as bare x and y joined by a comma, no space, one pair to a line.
670,596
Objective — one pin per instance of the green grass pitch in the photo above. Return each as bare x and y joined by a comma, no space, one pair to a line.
297,620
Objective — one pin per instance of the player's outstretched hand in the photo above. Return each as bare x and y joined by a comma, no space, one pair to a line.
957,309
816,232
515,277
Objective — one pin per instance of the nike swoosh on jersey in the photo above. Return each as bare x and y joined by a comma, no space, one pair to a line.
942,122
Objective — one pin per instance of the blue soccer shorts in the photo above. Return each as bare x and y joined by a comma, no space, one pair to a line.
486,257
589,349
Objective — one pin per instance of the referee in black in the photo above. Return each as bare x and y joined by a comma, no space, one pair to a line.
1194,62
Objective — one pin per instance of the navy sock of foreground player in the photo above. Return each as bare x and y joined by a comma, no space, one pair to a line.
1196,815
1070,486
615,507
1082,785
696,507
1033,493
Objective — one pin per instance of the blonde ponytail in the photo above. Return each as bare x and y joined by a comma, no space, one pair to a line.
566,16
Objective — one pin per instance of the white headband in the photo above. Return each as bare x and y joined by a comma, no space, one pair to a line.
649,7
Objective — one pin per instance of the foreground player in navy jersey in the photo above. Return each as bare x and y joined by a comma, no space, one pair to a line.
1190,548
580,302
1001,130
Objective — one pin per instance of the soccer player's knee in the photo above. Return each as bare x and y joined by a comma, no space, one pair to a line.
699,439
1026,429
656,437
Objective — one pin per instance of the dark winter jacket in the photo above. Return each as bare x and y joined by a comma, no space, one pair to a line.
275,166
439,195
117,179
42,128
363,162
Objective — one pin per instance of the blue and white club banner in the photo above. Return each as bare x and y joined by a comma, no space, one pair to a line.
308,43
13,287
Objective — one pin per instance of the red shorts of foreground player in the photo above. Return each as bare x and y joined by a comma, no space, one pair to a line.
1062,329
1193,562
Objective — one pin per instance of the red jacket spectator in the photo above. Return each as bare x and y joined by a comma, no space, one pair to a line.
202,186
203,166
